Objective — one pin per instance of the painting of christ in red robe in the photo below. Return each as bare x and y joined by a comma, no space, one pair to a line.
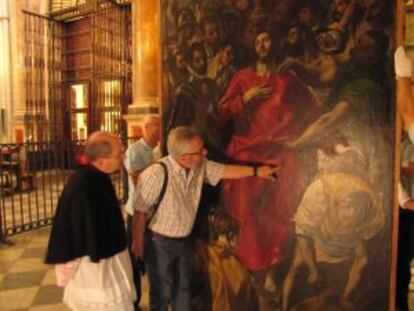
304,85
268,109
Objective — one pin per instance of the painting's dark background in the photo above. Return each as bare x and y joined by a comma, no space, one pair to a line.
320,43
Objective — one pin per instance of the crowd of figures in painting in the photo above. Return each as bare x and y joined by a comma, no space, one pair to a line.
305,84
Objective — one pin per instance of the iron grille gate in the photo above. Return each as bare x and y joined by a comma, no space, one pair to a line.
32,173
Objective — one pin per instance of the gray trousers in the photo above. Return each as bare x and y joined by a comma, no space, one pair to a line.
167,263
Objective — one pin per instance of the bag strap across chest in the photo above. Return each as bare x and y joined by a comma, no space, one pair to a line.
162,192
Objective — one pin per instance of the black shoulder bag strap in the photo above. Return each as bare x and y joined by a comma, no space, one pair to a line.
162,192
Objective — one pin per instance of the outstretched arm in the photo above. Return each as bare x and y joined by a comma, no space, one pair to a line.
323,125
320,73
240,171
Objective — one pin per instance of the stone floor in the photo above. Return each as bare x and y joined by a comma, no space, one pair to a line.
26,283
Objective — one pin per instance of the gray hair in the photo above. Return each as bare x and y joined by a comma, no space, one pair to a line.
178,139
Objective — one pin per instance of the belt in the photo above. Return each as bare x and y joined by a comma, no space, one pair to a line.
158,235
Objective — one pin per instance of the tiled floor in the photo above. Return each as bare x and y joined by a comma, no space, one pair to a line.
26,283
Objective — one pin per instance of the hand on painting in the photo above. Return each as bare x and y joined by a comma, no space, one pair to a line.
258,92
268,171
402,63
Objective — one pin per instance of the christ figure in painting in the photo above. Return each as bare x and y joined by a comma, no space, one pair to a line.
267,109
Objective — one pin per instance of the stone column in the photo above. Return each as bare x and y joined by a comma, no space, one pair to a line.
18,99
146,62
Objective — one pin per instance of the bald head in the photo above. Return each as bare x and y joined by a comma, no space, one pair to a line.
151,129
103,150
150,118
100,145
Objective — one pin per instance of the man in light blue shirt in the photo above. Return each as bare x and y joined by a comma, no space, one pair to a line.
138,156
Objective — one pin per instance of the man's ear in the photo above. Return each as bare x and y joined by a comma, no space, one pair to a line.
100,161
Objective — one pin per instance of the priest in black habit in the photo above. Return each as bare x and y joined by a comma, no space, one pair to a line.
87,243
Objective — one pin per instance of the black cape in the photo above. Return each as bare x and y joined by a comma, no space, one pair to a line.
88,219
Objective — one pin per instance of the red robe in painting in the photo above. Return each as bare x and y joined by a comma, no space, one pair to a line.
263,207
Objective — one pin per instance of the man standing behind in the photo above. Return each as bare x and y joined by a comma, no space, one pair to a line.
138,156
87,241
167,241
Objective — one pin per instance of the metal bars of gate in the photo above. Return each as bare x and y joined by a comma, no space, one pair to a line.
108,67
32,176
43,119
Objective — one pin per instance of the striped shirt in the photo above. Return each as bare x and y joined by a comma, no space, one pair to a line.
176,213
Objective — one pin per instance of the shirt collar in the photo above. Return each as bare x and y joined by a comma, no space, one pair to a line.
175,166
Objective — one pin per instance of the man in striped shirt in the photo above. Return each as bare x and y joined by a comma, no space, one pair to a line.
167,243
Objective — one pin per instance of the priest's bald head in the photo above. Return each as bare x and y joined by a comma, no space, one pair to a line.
103,150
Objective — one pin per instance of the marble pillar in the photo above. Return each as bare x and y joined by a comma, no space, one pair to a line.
18,86
146,63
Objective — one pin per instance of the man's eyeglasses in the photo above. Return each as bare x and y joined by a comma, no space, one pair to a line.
199,152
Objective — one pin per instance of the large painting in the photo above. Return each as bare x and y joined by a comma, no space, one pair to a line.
307,85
